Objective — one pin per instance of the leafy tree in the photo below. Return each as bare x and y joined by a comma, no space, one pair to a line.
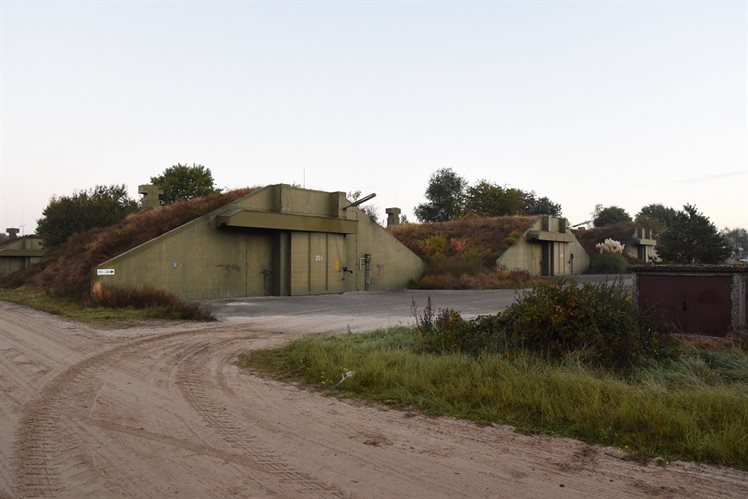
492,200
446,197
653,224
665,215
487,199
100,206
451,197
184,182
610,216
692,238
737,241
540,206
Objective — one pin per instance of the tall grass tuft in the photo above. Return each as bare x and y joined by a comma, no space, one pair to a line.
99,316
163,303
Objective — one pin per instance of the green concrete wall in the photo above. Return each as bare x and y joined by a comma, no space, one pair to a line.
202,261
528,255
10,264
581,258
392,264
196,261
523,255
20,253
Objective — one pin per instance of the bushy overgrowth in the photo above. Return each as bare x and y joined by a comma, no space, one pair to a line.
146,297
488,279
180,182
600,319
608,263
462,254
99,206
65,271
447,331
600,323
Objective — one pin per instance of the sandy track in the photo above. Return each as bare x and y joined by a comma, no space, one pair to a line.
166,413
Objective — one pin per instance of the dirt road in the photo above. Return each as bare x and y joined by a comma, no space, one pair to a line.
164,412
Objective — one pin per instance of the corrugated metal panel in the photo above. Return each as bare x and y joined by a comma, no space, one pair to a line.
560,266
315,258
335,262
695,303
318,263
300,284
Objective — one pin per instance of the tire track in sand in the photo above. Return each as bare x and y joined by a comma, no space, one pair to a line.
51,452
192,377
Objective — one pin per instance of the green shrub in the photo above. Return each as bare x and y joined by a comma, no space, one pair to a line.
444,330
437,331
435,245
608,263
598,323
599,319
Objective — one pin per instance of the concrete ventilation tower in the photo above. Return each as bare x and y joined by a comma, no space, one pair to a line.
393,216
151,196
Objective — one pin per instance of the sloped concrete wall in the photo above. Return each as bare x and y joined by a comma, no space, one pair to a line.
201,261
528,255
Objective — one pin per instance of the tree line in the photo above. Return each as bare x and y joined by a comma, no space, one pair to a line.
104,205
683,236
450,197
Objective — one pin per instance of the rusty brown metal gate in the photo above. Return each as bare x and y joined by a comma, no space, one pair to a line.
697,304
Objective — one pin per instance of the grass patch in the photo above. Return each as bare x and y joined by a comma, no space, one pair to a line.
95,315
693,407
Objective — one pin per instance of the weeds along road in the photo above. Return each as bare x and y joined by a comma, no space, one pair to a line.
164,412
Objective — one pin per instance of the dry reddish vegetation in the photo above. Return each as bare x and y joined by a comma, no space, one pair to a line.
462,254
66,270
489,237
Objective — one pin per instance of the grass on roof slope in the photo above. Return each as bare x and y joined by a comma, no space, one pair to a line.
65,270
462,254
489,237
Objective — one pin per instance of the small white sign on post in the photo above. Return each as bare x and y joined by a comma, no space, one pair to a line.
104,271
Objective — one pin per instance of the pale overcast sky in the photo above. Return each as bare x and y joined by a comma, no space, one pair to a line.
614,102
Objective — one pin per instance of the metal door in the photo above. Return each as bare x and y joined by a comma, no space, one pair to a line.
695,303
335,262
259,261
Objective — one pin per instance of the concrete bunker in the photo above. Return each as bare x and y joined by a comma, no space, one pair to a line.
17,253
547,248
280,240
